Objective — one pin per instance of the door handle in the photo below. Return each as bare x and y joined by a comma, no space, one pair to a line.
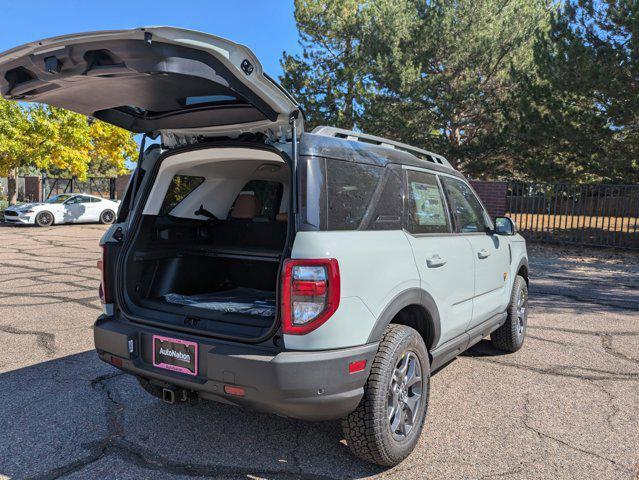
483,253
435,261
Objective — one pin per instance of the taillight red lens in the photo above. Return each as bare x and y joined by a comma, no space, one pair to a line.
103,290
310,294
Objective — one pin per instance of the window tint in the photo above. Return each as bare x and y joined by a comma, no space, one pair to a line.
342,195
79,199
386,206
269,196
426,210
350,187
466,210
95,200
59,198
181,186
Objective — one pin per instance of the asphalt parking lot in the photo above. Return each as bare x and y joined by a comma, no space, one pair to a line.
565,406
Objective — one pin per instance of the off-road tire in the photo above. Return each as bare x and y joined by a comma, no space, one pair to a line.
44,219
107,217
510,336
367,430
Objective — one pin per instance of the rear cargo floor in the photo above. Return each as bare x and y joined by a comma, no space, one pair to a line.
247,301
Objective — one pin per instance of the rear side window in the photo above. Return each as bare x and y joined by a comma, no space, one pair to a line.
350,189
465,208
426,207
180,188
342,195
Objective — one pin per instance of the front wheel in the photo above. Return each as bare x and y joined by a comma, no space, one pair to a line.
107,217
388,421
44,219
510,336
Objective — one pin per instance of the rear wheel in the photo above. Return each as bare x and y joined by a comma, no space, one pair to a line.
387,423
510,336
107,217
44,219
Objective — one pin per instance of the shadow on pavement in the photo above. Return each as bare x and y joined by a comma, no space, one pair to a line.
71,414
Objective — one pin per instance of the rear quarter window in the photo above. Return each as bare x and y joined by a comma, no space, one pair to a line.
342,195
181,187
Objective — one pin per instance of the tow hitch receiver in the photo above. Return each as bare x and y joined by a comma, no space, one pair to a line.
174,394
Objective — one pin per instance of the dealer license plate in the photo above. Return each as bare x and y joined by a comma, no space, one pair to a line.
175,354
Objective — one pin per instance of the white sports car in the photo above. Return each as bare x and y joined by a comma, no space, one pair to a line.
64,208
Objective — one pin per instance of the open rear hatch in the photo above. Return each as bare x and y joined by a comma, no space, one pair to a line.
149,80
214,275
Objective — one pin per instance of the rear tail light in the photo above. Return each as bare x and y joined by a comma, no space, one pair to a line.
310,294
103,290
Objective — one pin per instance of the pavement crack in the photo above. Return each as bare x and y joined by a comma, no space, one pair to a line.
527,425
45,340
563,370
606,343
547,340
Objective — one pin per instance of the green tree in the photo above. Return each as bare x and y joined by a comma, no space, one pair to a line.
580,118
442,71
329,78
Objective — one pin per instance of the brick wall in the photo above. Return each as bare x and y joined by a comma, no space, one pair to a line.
493,194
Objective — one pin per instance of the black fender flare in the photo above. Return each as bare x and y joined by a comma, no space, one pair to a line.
524,263
413,296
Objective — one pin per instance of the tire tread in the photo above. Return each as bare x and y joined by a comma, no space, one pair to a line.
505,338
365,427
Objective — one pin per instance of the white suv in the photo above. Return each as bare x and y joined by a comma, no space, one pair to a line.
318,275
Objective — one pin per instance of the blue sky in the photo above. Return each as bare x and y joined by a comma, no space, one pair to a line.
266,26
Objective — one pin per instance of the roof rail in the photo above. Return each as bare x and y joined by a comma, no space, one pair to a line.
384,142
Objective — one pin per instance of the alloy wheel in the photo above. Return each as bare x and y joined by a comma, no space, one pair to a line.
107,216
522,312
405,395
45,219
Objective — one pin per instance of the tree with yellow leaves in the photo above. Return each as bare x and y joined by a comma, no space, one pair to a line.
60,142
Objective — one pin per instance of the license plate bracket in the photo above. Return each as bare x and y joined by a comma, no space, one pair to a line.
175,354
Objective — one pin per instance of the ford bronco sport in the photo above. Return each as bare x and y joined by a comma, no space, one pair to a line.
319,275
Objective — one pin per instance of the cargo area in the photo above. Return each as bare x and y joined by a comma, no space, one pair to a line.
208,249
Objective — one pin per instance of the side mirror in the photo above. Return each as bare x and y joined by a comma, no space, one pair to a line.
505,226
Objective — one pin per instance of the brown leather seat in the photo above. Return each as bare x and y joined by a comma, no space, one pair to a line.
246,207
282,217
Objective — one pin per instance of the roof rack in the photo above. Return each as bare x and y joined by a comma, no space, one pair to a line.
383,142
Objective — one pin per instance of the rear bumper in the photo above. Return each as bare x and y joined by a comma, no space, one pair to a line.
304,385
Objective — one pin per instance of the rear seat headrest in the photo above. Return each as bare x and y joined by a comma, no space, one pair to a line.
246,206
